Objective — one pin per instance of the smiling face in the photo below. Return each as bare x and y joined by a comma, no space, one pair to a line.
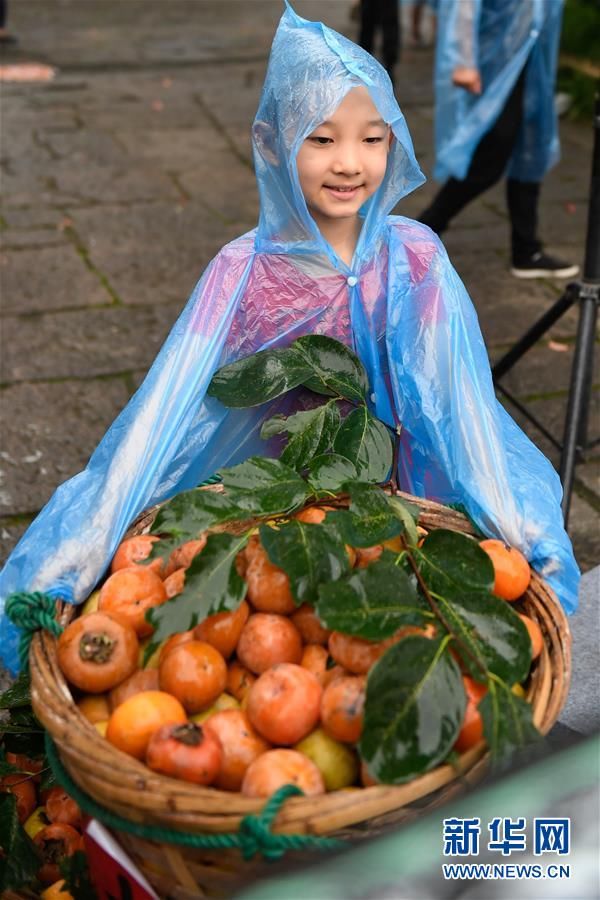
343,162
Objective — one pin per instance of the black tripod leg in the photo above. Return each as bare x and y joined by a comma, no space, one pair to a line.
579,395
537,330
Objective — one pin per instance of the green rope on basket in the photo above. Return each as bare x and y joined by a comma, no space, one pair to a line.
255,835
30,612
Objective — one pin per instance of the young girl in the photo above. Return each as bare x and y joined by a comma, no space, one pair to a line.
333,156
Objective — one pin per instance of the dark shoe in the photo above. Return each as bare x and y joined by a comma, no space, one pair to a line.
542,265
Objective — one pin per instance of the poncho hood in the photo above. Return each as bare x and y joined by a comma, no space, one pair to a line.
310,71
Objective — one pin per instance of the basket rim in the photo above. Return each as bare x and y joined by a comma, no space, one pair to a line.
127,787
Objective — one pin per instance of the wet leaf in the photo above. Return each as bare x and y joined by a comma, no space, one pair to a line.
212,585
450,561
309,555
19,862
414,709
263,487
369,519
18,694
372,602
507,722
188,514
310,432
336,370
408,514
493,632
329,472
259,378
365,441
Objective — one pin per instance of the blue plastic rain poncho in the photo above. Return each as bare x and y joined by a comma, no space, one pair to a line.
500,38
400,305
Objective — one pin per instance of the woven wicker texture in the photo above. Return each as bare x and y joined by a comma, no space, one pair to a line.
127,788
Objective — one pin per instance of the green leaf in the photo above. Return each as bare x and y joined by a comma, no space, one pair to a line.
6,768
408,514
507,722
460,576
311,432
18,693
336,370
365,441
329,472
75,870
185,516
492,631
262,487
259,378
309,555
453,558
369,520
212,585
19,862
414,709
371,603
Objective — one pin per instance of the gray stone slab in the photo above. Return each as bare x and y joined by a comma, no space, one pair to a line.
152,254
48,434
10,534
589,474
584,518
551,413
11,239
45,278
543,369
84,344
175,149
582,711
230,189
507,306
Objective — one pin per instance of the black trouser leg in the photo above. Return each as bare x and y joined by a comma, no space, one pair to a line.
368,21
381,15
390,24
522,201
487,165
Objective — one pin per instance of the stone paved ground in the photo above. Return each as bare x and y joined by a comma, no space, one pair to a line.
123,176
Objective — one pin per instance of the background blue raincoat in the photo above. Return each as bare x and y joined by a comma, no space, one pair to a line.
500,38
400,306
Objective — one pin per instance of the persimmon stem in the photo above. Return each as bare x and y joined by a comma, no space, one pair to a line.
437,611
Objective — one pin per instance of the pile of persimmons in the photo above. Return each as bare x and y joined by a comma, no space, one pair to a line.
246,700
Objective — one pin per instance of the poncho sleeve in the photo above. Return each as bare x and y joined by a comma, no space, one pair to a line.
155,447
445,398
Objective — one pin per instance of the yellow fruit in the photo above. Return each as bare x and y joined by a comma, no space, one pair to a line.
36,821
91,604
519,690
57,891
337,762
223,701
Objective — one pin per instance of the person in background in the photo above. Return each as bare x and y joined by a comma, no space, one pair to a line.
5,36
416,22
494,80
383,16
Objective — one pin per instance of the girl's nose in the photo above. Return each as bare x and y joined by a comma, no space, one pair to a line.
347,162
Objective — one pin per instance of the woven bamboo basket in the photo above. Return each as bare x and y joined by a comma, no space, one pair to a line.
127,788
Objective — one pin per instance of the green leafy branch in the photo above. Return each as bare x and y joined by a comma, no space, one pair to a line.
415,693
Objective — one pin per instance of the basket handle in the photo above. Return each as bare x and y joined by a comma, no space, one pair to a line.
255,835
31,612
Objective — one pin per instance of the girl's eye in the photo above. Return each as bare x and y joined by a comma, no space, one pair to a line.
320,140
373,140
